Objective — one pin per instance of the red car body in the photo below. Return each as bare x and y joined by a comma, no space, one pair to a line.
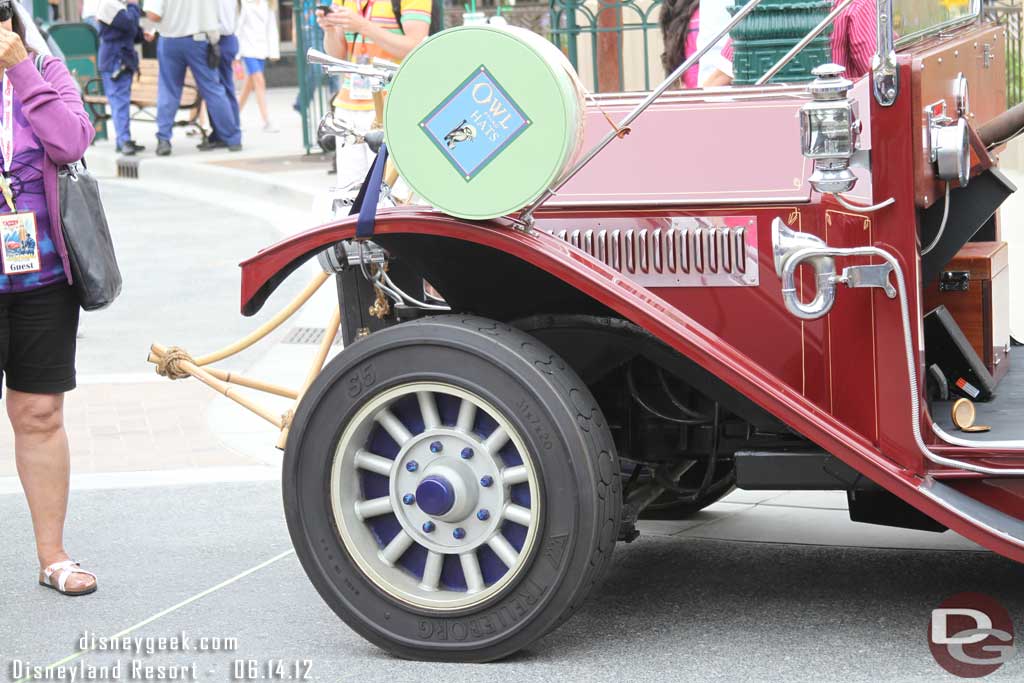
840,381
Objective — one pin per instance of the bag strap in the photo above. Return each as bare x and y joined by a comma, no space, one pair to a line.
71,168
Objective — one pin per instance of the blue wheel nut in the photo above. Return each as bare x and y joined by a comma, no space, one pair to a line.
467,453
436,447
412,466
483,515
428,526
459,533
408,499
486,480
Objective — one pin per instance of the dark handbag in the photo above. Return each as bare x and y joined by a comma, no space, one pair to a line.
97,278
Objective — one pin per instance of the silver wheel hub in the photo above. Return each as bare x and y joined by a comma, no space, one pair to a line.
442,470
435,496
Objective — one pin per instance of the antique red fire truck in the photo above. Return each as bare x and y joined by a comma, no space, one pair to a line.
759,287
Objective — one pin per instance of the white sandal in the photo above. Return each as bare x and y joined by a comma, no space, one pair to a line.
66,568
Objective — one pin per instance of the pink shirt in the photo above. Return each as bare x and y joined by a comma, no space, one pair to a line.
690,76
854,38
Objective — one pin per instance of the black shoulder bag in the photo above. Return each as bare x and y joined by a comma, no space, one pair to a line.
97,278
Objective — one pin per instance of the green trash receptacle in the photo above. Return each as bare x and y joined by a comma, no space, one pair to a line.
770,31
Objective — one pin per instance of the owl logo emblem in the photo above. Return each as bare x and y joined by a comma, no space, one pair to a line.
463,132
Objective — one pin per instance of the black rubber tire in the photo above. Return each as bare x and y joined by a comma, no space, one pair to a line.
564,430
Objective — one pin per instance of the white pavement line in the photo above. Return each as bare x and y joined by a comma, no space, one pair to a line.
96,481
169,610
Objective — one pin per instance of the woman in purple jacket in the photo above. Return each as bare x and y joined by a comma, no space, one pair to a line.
42,126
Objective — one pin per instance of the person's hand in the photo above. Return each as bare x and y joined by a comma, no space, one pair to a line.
12,50
330,21
351,22
149,37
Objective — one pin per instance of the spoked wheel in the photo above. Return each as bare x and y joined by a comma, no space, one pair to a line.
462,491
418,486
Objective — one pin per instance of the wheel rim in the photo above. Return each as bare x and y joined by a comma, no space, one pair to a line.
435,496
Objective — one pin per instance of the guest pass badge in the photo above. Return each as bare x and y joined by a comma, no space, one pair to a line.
360,87
18,230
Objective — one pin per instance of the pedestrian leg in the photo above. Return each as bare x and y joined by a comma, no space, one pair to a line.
118,92
228,55
217,105
172,56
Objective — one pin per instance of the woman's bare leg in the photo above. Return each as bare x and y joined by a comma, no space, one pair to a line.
246,91
44,465
260,85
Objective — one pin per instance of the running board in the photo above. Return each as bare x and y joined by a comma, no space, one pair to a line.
974,511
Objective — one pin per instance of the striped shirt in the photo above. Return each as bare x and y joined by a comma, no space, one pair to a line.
854,38
353,97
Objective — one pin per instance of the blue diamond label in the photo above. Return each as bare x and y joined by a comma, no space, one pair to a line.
475,123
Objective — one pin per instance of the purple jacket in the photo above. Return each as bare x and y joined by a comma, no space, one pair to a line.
52,106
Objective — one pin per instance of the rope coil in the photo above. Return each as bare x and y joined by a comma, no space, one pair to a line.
170,364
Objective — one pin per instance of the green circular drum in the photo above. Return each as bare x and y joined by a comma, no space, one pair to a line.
480,120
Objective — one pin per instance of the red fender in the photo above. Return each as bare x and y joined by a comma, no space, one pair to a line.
262,273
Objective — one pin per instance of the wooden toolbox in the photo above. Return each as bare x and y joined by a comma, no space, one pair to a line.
975,287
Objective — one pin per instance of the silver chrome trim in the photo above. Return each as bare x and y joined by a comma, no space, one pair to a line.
884,71
716,251
968,443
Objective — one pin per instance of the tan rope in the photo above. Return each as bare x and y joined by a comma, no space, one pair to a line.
170,363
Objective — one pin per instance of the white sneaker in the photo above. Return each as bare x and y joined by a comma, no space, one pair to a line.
269,127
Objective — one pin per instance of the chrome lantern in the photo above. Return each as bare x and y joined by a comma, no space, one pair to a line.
829,129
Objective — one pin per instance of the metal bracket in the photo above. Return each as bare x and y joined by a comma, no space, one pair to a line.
856,277
347,254
884,69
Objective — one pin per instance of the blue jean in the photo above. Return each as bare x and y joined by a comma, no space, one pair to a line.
175,54
226,71
118,91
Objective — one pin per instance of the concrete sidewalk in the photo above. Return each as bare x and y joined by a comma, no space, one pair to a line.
272,168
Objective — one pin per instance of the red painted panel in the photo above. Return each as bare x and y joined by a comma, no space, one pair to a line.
851,344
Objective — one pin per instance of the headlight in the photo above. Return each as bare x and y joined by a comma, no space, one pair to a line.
828,130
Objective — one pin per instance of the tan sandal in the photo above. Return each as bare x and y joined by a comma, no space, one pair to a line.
64,570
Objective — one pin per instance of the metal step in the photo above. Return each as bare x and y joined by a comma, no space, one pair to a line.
974,511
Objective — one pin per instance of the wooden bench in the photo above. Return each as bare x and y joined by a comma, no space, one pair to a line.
145,87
